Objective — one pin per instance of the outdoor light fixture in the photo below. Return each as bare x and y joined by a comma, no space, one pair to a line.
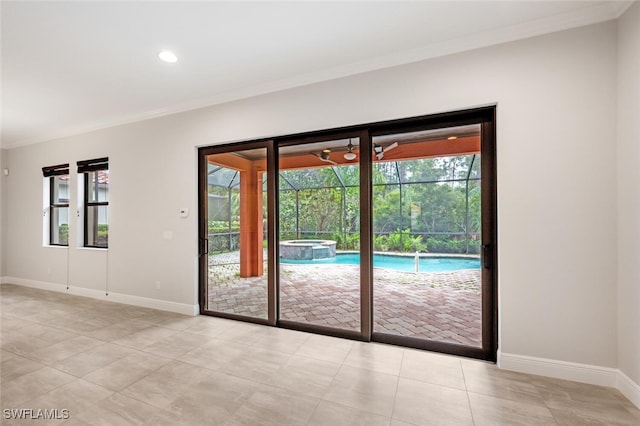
350,155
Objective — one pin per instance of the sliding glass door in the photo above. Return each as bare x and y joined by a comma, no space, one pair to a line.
236,237
319,244
382,232
427,217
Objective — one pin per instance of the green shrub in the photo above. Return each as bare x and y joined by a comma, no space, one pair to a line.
445,244
222,226
399,241
102,238
63,234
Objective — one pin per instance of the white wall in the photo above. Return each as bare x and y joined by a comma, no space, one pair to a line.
3,159
556,99
146,182
629,193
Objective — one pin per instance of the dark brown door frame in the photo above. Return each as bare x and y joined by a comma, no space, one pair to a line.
365,261
203,244
366,236
486,116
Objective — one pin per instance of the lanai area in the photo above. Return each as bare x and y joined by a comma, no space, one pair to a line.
318,200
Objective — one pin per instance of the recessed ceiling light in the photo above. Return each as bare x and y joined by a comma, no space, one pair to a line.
452,138
168,56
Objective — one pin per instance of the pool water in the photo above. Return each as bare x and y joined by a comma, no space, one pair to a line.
398,263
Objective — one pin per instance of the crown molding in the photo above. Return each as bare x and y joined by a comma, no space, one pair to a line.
587,16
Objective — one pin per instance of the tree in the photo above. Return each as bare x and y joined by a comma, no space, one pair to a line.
415,202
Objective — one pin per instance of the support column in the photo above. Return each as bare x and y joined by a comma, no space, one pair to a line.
251,229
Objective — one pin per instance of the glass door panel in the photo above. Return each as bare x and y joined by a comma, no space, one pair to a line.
236,269
319,216
426,205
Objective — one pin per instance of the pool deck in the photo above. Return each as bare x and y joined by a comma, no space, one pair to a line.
442,306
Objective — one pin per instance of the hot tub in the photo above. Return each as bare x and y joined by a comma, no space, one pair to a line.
307,249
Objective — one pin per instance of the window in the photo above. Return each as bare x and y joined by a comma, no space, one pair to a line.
58,204
96,202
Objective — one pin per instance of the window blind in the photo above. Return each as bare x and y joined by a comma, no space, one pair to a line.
60,169
93,165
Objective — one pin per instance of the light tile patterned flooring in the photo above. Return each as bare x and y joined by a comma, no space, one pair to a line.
112,364
442,306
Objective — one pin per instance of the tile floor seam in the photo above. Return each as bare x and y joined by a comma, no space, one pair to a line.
163,355
464,377
395,395
100,367
114,342
237,376
131,395
555,412
333,378
235,410
546,405
52,389
466,388
554,416
180,359
30,358
315,408
435,384
473,417
32,371
132,383
75,375
82,351
54,325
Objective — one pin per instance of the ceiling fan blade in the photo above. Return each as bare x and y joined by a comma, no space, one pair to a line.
325,158
390,147
380,150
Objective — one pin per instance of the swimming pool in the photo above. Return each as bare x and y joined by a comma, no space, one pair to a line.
398,263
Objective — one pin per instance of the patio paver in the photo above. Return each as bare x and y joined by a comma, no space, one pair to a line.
442,306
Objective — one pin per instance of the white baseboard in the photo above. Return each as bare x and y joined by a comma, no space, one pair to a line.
127,299
583,373
629,388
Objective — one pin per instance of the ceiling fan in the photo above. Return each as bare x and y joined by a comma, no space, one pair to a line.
349,155
324,156
379,150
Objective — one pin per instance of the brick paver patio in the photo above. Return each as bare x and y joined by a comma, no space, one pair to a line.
443,306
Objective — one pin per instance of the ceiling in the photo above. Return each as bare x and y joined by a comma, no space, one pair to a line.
72,67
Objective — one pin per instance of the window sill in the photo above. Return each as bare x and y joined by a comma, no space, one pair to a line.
93,248
77,248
